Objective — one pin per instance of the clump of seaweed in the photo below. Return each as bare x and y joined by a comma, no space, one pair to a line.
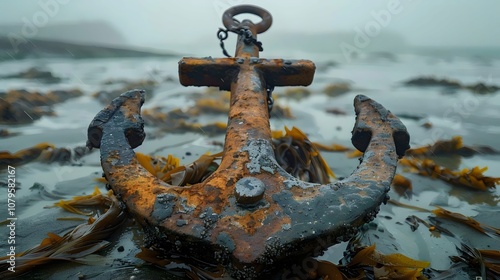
34,73
296,93
22,106
430,81
169,169
337,89
7,133
300,157
79,244
470,178
485,262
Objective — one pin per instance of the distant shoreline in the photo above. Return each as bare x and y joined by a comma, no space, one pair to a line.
40,48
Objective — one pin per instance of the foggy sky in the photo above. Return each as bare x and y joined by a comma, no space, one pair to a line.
155,23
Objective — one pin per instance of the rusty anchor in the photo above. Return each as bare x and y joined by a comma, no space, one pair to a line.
250,213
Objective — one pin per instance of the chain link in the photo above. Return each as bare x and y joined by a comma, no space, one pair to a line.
222,35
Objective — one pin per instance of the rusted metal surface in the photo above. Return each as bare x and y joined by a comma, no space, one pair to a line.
249,214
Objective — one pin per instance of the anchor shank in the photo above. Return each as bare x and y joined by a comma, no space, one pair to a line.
248,114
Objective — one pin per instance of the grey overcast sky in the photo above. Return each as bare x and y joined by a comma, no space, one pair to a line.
157,22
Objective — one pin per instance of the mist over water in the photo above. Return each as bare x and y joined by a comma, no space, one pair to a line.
190,26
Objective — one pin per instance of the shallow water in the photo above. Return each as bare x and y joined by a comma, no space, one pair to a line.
475,117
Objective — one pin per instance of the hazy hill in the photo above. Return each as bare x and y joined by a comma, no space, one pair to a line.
87,39
84,32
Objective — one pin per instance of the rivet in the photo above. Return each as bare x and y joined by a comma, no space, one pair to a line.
249,190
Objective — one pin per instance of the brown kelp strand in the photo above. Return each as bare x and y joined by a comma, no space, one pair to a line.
453,146
300,158
43,152
471,178
78,245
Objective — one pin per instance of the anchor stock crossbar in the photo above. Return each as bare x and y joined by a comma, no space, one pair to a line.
250,213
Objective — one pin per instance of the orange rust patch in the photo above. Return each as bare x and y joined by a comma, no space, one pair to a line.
251,221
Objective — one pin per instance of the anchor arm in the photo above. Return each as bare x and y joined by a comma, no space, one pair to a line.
116,130
336,210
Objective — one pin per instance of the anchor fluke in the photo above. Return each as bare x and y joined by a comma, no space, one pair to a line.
366,109
126,117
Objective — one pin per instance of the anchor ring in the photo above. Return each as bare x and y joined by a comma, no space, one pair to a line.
231,23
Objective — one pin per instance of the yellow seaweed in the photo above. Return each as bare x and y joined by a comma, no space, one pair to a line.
472,178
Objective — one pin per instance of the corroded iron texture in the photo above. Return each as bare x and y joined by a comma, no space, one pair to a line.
250,213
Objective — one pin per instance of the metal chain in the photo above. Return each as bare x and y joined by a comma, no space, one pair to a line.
222,35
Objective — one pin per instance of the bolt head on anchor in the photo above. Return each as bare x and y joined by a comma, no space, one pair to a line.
249,190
